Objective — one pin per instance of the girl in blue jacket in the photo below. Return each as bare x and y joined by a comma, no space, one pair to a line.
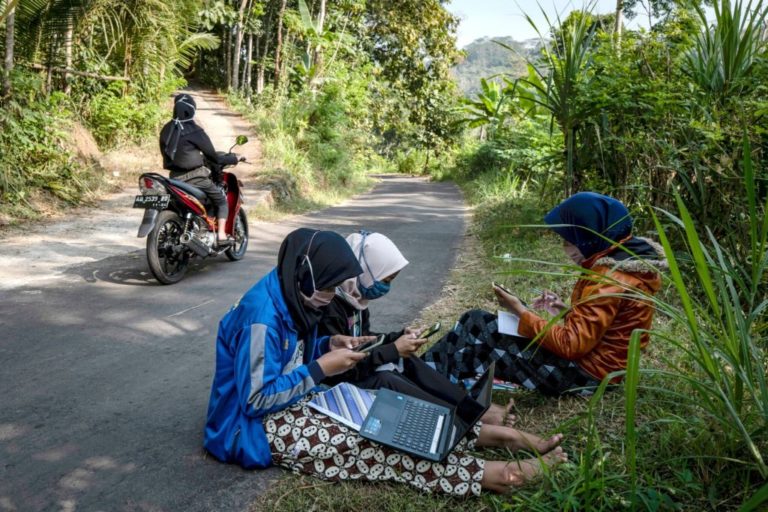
269,360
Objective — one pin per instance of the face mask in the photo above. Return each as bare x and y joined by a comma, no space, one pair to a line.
319,299
574,253
379,289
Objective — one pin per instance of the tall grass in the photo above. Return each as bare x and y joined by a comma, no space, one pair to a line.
702,408
720,380
723,313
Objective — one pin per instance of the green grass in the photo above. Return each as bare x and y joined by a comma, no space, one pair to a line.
648,444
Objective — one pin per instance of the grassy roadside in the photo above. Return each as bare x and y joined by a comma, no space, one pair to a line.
468,287
679,465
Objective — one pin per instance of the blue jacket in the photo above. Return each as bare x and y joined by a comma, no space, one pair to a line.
259,370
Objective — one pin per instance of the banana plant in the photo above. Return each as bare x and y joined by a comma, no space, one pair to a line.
491,106
311,63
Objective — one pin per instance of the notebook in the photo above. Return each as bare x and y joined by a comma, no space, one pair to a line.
345,403
508,323
424,429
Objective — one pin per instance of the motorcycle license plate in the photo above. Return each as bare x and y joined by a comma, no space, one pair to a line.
156,202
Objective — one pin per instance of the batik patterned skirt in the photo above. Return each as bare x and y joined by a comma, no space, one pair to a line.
305,441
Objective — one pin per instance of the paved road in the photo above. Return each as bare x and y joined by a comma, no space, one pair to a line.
105,375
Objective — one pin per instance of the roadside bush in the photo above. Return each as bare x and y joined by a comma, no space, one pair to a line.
33,133
323,137
410,161
115,116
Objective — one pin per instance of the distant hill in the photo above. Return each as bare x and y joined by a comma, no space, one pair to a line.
485,58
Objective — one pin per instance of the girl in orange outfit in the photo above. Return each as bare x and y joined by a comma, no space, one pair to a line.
593,339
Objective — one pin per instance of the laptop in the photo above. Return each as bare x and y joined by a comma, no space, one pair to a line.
426,430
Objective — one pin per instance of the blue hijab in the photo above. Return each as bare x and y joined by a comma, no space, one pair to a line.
584,216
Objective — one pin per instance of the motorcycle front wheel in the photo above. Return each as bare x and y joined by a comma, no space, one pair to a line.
168,258
240,233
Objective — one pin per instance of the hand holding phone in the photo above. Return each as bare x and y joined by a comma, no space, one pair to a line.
370,345
502,288
429,331
409,344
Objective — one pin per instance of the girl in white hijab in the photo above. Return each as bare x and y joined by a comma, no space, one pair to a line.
389,365
381,261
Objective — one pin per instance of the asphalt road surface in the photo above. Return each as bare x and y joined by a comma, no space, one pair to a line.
105,374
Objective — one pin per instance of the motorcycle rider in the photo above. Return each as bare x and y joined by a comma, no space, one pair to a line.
183,144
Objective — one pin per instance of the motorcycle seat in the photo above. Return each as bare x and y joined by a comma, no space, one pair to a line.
190,189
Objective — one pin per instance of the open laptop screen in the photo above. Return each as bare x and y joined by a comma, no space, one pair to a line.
473,406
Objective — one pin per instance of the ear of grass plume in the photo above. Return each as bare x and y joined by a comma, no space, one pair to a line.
727,379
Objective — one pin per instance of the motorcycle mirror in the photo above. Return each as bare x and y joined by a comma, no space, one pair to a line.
239,141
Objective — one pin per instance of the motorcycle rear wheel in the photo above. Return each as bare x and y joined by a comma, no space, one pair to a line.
168,258
240,232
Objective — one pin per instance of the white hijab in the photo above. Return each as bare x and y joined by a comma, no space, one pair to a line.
379,257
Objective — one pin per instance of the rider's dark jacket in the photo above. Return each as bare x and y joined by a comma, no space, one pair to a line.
193,144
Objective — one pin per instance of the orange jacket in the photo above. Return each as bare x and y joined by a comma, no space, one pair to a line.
596,330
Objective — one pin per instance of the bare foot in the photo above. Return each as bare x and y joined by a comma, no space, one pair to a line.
498,415
501,477
530,469
513,439
504,477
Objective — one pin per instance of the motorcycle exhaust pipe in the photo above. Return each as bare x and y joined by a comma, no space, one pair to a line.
198,247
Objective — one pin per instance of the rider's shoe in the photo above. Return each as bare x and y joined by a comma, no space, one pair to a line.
227,242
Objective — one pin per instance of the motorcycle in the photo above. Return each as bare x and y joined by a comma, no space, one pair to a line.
178,223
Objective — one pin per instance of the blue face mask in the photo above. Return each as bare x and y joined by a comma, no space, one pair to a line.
378,290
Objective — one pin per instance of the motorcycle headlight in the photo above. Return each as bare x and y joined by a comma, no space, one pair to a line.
151,187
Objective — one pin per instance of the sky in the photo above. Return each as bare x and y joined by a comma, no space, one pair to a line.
494,18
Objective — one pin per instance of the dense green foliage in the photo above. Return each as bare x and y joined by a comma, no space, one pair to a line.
106,64
36,154
661,111
669,120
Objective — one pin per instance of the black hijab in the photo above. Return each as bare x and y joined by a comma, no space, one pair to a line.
332,262
184,107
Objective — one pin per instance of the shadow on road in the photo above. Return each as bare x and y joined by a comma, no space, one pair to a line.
131,269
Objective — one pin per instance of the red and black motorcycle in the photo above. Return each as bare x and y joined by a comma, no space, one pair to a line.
181,224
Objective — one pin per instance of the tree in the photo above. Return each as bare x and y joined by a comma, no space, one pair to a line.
413,45
555,80
238,49
10,17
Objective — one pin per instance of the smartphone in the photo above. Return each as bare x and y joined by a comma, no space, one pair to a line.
502,288
370,345
429,331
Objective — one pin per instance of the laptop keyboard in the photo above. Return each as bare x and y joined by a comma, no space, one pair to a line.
420,426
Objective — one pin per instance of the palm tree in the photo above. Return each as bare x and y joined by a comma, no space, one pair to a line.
554,85
9,14
489,108
139,40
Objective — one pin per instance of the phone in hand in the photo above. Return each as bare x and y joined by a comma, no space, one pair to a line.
429,331
370,345
502,288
